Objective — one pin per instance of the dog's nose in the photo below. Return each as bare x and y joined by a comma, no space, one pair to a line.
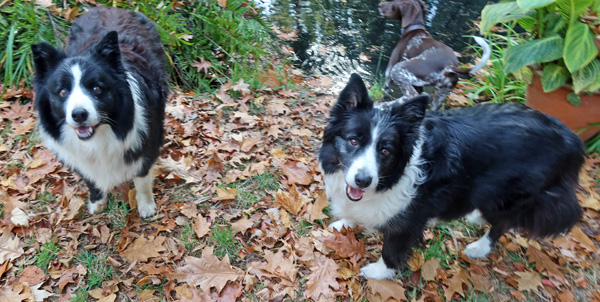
362,181
79,115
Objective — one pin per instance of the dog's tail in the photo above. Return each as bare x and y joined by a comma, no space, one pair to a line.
487,52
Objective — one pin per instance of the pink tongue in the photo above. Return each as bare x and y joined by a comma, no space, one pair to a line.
83,130
356,192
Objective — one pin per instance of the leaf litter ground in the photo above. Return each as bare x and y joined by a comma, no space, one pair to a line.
242,217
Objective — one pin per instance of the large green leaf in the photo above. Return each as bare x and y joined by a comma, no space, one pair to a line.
571,8
579,49
500,13
554,24
536,51
526,5
586,79
554,76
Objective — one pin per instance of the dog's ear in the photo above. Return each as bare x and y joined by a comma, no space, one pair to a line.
410,11
354,95
413,110
45,58
108,50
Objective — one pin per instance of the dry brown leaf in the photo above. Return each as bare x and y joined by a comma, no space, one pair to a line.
144,248
32,275
315,210
429,269
322,278
387,289
187,293
528,281
10,248
201,226
416,261
208,271
297,172
17,292
290,202
585,241
346,246
456,285
543,262
242,225
39,295
225,194
222,3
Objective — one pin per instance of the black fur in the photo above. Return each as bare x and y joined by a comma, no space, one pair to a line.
518,166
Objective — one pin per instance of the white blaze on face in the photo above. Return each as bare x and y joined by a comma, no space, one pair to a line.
78,99
366,163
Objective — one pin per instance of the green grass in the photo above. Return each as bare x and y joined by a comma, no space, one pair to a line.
224,242
255,188
80,295
98,268
117,211
492,84
376,92
303,227
188,237
46,254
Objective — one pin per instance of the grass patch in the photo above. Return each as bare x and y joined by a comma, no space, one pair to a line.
80,295
376,92
116,211
46,254
224,241
188,238
98,269
255,188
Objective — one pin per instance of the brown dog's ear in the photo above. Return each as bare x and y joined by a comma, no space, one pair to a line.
410,10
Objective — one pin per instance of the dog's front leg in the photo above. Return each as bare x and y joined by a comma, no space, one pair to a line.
396,246
97,196
145,199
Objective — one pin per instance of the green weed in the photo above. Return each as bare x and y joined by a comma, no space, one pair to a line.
80,295
116,211
492,84
376,92
255,188
46,254
98,269
222,238
188,237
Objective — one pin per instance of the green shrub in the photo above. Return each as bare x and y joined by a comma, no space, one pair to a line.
492,83
232,42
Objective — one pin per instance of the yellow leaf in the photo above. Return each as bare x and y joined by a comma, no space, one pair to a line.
225,193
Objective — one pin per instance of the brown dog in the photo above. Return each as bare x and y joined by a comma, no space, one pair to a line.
418,60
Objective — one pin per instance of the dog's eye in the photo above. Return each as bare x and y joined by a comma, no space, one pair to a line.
96,89
385,151
63,92
353,141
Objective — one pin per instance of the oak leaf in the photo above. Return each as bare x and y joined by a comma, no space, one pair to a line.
32,275
291,201
528,281
346,246
456,285
322,278
297,172
225,194
583,239
429,269
315,210
207,271
242,225
387,289
10,248
241,87
144,248
543,262
201,226
17,292
202,65
40,295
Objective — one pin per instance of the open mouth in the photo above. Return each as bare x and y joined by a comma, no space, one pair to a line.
354,194
85,132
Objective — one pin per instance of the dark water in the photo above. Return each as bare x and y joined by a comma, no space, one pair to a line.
332,34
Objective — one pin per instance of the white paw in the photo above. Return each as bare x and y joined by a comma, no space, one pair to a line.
338,225
94,206
377,270
480,248
146,209
475,217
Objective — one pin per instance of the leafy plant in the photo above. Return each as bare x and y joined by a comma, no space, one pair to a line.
559,41
206,45
494,84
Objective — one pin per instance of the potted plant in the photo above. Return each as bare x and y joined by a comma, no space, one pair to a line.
560,57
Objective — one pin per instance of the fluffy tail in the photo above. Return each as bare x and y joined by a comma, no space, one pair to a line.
487,52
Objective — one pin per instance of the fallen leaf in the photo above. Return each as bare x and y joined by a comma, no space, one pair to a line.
322,279
10,248
290,202
456,285
528,281
387,289
40,295
585,241
346,246
543,262
242,225
207,271
225,194
315,210
297,172
201,226
32,275
144,248
429,269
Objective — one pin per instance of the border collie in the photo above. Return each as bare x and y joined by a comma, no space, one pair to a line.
101,101
393,168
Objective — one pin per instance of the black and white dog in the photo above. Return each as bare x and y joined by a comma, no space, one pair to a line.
101,101
393,168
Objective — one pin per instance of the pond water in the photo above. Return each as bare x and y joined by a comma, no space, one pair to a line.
338,37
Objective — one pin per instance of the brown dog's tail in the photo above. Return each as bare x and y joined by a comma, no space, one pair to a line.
484,58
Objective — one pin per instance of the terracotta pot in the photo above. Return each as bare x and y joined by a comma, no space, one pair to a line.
555,103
